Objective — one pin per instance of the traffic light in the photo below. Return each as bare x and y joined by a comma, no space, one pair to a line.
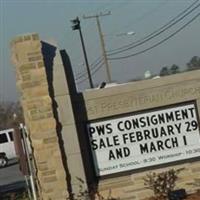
75,24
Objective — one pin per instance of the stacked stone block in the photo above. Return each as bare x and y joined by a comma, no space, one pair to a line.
37,106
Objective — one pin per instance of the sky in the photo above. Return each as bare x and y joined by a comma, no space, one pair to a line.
51,19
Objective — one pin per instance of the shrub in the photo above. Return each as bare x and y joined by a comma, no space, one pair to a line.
161,183
91,194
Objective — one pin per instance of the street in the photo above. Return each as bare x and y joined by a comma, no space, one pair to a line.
11,178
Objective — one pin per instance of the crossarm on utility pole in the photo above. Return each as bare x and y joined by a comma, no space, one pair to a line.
108,74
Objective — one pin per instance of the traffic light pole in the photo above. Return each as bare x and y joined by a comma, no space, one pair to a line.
86,60
76,26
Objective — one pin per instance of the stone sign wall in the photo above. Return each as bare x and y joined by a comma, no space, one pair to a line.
62,123
106,107
37,106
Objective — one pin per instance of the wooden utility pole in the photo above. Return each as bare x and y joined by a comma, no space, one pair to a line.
108,74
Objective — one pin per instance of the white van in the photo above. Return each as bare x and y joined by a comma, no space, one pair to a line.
7,143
7,147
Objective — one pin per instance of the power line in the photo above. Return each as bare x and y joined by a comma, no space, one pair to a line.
92,67
149,36
157,44
156,32
94,72
144,15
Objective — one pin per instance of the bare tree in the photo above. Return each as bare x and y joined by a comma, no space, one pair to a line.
7,109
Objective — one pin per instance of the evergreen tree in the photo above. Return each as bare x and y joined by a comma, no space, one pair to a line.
164,71
174,69
194,63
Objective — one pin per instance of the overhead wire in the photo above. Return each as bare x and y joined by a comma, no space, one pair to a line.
93,63
84,73
92,66
120,6
156,32
144,15
85,27
158,43
94,72
153,34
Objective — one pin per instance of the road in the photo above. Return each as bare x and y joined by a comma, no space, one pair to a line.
11,177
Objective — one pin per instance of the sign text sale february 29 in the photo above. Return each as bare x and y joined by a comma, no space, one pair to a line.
149,138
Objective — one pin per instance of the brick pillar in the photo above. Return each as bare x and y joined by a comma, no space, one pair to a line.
37,106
